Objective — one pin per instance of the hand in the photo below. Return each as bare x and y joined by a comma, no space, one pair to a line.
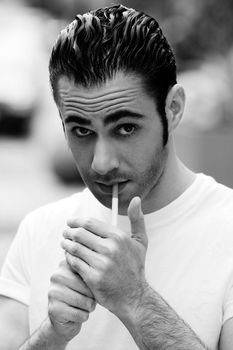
110,261
70,302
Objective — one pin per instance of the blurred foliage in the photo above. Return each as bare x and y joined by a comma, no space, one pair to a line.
201,35
62,9
207,29
195,28
200,32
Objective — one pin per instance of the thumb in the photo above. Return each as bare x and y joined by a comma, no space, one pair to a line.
137,222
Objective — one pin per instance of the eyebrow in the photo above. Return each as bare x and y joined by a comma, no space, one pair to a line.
114,117
110,118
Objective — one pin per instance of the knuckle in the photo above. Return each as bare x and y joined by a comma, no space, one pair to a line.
69,232
50,296
73,263
75,233
107,263
81,315
76,264
88,224
51,311
65,233
99,279
80,231
93,305
85,316
53,294
90,304
55,278
105,249
102,263
119,236
73,248
110,248
59,276
62,263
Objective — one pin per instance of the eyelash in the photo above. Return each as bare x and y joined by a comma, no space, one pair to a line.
133,126
75,131
116,131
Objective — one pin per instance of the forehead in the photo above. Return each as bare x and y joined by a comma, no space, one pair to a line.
122,91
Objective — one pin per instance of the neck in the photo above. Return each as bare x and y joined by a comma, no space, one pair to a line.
174,180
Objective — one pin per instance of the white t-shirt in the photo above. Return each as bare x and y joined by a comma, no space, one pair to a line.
189,262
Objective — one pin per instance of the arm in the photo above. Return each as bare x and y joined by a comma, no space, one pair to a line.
70,302
13,323
226,336
111,262
155,325
45,338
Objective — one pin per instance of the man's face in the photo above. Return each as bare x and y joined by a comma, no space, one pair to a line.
115,135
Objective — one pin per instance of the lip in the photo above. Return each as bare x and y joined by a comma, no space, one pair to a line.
107,189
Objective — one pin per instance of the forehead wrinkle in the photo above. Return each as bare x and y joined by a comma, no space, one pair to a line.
74,105
77,103
94,100
99,92
107,98
107,93
101,108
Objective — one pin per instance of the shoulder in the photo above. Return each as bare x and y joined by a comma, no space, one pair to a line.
213,206
217,209
58,209
216,195
50,219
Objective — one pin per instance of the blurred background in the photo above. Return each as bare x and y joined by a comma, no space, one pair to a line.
35,164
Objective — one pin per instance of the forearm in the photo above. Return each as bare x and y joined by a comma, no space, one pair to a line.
155,325
45,338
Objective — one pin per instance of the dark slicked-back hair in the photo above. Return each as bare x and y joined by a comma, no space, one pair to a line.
100,43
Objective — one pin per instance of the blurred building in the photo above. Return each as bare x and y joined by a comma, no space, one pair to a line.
39,168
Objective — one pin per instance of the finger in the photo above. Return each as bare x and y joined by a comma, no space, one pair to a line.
85,238
61,313
80,251
79,266
73,298
71,279
137,222
95,226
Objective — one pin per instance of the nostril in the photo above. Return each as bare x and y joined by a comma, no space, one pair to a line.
103,165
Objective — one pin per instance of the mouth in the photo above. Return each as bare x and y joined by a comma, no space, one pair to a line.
107,188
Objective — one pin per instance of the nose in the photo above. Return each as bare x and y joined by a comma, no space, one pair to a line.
104,159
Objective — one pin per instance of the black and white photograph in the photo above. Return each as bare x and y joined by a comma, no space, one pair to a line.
116,175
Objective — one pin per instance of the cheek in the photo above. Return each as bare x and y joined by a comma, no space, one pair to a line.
145,150
82,155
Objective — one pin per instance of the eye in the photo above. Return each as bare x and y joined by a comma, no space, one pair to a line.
82,132
126,129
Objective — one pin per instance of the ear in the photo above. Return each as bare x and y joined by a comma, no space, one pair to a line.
174,107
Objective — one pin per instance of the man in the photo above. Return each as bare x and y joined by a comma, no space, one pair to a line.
162,278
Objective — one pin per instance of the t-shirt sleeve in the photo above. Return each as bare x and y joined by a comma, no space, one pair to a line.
228,303
15,273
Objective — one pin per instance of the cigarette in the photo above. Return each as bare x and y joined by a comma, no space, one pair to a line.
114,204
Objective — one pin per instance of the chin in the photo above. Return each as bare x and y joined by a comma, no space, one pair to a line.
106,200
